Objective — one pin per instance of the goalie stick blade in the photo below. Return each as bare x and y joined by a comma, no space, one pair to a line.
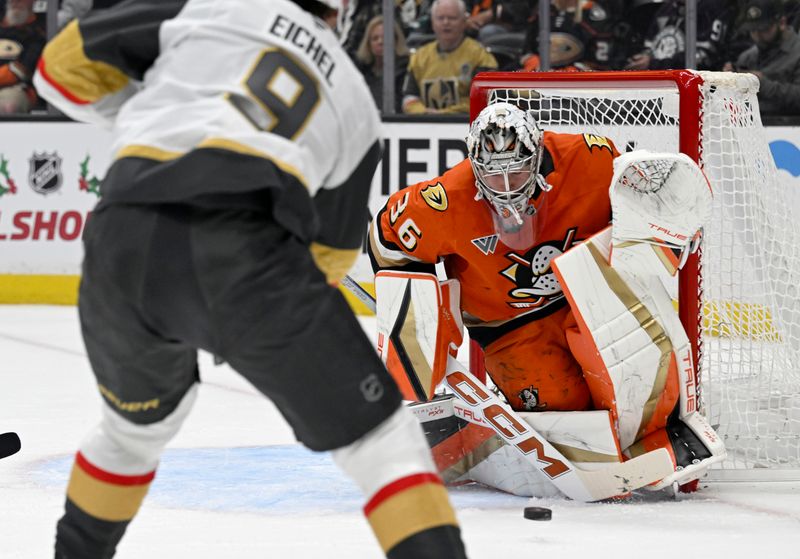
579,485
623,478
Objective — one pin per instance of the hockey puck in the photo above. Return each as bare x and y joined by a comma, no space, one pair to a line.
537,513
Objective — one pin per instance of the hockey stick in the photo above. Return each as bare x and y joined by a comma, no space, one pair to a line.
363,295
579,485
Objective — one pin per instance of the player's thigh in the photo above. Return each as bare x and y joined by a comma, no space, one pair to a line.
140,374
535,369
300,344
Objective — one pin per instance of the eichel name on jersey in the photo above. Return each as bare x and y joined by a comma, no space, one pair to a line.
299,36
257,113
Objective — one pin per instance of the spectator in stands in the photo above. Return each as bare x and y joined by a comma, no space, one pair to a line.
581,35
665,41
480,14
440,72
774,57
21,42
72,9
358,14
491,18
369,59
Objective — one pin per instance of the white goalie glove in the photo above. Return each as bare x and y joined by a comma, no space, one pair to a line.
661,200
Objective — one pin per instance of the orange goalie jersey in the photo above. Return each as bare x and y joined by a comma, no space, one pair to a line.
511,300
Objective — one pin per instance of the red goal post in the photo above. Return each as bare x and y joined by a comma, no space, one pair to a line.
744,324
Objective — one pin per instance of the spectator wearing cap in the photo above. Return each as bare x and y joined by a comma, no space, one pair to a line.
774,57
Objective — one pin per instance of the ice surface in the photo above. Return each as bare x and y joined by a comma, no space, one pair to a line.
234,484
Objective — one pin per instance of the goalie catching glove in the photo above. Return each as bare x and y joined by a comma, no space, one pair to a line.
659,203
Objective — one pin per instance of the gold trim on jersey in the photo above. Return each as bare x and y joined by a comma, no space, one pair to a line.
333,262
148,152
158,154
244,149
69,67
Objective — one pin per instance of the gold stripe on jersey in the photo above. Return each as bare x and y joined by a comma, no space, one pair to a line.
148,152
158,154
244,149
333,262
85,79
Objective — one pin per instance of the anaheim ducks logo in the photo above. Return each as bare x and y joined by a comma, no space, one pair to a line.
595,141
564,49
9,50
537,285
435,196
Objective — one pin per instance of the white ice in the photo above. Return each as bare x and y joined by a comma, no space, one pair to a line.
234,483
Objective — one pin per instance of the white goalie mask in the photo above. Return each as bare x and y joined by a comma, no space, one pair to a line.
505,149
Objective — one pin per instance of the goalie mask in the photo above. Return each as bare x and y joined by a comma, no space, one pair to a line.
505,150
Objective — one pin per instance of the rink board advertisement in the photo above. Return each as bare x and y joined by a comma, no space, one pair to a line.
50,173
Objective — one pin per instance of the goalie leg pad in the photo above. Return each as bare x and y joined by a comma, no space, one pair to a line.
465,449
633,370
419,324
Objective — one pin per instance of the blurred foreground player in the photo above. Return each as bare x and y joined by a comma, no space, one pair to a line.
578,332
245,142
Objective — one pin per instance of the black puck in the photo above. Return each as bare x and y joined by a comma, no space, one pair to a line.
537,513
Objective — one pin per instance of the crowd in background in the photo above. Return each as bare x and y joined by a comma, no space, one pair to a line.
441,44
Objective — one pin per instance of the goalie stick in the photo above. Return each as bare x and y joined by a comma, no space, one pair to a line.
579,485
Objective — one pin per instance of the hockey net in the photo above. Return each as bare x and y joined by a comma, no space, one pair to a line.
738,298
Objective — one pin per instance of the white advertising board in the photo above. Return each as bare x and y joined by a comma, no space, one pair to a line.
49,173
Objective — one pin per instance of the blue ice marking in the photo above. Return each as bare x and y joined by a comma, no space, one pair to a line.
281,479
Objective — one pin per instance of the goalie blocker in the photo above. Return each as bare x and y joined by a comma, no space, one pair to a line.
629,341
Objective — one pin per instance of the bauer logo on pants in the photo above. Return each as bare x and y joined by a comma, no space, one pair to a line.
44,175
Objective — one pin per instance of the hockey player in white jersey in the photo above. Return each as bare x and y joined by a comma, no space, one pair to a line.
244,144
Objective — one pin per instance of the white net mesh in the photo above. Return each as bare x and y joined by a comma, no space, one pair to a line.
750,325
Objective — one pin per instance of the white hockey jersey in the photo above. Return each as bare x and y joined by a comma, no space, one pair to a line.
222,96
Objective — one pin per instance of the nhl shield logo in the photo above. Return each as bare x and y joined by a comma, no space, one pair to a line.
44,175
